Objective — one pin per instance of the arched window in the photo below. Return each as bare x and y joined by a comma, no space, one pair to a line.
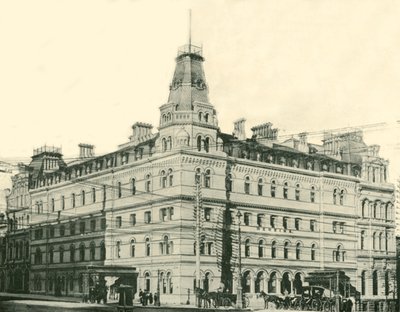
207,144
375,213
260,187
83,197
200,116
73,200
197,176
133,186
199,143
363,280
374,237
206,117
163,179
386,283
61,254
273,188
119,190
298,251
375,283
247,248
169,143
273,250
102,251
170,285
148,183
313,252
334,196
147,281
341,197
207,178
247,185
286,250
133,247
92,251
364,208
170,178
118,249
285,190
164,144
362,239
93,195
51,254
261,249
380,241
297,192
82,252
272,283
147,247
72,253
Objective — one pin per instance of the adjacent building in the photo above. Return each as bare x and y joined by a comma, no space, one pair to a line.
128,216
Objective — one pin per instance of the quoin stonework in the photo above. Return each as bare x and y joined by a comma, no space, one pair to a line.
128,216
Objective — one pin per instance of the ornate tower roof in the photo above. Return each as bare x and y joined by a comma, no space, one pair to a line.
188,84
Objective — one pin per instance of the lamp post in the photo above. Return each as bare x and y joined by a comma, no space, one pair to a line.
239,303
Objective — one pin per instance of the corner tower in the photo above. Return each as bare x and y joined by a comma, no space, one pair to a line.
188,120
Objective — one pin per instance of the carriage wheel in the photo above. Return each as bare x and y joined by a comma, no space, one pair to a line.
327,306
226,302
315,305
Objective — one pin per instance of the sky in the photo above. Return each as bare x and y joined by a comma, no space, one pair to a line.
84,71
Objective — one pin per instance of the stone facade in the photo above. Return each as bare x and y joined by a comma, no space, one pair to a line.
305,207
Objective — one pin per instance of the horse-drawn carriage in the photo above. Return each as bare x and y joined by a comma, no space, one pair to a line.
313,298
218,299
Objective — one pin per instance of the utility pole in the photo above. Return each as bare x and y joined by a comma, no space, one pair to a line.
198,237
239,303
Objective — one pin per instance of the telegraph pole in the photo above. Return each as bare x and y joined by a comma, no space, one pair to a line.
239,302
198,237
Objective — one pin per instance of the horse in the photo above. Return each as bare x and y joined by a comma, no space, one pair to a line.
204,297
269,298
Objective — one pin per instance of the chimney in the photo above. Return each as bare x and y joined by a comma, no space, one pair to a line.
141,132
86,150
239,129
265,131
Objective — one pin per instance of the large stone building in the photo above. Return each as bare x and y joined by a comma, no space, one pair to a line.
305,207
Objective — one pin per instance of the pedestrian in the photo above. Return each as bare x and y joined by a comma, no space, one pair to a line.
141,296
156,303
150,298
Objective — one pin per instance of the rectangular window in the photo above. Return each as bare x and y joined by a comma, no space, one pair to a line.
52,205
312,225
118,222
133,219
246,218
72,228
62,202
285,223
103,223
341,227
147,217
260,220
297,224
272,221
207,214
51,231
92,225
334,223
73,200
260,189
171,213
82,227
93,195
163,214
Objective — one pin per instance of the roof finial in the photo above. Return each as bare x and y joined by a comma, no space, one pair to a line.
190,30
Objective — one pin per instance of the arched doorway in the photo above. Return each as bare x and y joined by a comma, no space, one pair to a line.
272,283
286,284
298,284
259,284
246,280
206,282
